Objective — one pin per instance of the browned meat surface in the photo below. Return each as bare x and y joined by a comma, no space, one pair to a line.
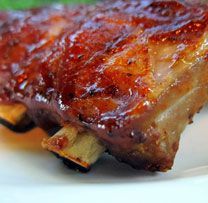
133,72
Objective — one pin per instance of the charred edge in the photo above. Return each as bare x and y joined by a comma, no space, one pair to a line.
54,130
72,165
24,126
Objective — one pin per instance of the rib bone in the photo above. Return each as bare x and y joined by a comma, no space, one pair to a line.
81,148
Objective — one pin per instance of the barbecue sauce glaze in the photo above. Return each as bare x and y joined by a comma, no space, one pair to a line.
90,65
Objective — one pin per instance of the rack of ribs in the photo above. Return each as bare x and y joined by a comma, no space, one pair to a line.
123,77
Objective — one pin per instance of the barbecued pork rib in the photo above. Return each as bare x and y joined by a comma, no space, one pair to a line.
132,72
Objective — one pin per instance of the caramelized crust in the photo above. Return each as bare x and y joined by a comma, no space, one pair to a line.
111,68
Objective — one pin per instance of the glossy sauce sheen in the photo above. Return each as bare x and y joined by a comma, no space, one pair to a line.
90,65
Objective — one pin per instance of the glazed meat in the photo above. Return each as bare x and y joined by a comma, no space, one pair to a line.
133,72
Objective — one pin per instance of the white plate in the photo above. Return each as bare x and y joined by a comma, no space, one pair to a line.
29,174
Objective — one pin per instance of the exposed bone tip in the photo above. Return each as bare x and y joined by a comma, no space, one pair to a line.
83,149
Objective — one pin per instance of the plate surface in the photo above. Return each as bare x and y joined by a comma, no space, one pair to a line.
30,174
